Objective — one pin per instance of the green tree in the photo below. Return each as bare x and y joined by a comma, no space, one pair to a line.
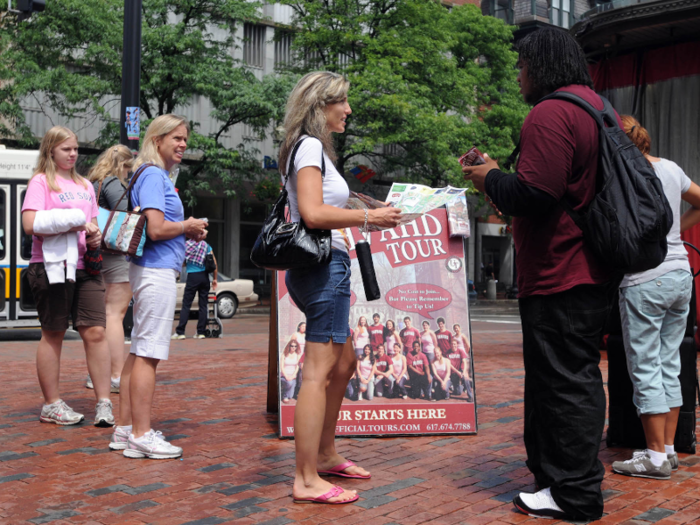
68,61
428,81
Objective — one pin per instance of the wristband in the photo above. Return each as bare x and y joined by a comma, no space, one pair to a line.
365,226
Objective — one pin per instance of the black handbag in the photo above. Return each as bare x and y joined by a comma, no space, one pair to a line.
284,245
209,263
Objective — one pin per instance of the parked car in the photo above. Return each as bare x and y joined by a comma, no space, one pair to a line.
230,295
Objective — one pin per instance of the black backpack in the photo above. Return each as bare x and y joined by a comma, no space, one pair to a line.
626,223
209,264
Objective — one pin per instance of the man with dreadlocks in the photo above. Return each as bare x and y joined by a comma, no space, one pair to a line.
565,293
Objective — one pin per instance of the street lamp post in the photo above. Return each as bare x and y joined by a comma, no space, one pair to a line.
130,114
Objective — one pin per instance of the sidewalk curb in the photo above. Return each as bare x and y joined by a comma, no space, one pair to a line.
495,302
253,310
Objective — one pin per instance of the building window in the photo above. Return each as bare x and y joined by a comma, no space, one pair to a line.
503,10
283,49
560,13
254,45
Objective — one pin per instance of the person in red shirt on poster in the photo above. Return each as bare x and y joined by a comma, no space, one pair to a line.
383,380
409,334
460,361
419,373
565,291
376,333
444,337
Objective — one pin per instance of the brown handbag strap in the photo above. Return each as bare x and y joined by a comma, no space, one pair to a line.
99,190
132,182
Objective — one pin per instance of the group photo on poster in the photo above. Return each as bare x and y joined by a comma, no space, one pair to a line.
414,369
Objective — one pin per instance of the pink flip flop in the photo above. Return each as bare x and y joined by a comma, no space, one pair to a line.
323,498
338,471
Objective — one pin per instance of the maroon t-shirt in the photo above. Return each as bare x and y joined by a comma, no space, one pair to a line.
408,335
456,358
558,155
418,361
444,340
382,363
376,335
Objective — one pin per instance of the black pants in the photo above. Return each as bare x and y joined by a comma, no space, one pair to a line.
564,396
197,282
419,384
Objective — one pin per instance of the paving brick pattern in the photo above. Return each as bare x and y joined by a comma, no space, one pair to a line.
211,400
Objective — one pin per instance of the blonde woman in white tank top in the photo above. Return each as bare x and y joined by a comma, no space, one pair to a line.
441,376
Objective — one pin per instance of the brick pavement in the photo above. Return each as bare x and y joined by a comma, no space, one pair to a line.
211,401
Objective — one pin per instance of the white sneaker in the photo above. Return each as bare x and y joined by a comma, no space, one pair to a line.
151,445
539,505
177,336
120,437
60,414
103,413
88,383
198,336
114,385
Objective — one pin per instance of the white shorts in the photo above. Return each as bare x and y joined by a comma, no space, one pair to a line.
155,296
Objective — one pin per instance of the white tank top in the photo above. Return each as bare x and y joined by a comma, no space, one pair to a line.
441,369
362,339
428,346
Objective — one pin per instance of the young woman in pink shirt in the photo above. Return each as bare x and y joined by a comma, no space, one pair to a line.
59,202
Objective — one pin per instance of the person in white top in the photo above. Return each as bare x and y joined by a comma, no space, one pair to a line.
317,108
391,336
361,336
654,308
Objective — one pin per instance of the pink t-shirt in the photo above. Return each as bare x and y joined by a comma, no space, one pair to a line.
40,198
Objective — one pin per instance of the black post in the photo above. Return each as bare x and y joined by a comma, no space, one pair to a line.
130,116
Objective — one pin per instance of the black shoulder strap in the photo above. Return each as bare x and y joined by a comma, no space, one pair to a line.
294,155
604,118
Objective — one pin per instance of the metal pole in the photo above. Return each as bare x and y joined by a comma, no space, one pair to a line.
130,115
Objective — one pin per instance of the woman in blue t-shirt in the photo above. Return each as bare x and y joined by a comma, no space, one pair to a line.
153,277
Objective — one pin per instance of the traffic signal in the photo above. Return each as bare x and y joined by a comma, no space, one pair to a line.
27,7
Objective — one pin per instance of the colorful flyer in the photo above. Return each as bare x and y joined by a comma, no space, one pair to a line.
133,123
414,370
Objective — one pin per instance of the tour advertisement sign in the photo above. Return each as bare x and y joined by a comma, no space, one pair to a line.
414,372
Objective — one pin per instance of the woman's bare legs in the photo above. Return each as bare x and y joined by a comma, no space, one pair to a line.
124,397
97,354
335,392
48,364
309,419
142,387
117,297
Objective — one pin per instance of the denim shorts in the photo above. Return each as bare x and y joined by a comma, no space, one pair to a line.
322,293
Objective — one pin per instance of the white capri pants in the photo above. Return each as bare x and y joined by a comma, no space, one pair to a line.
155,296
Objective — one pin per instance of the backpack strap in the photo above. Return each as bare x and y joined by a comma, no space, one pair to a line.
99,190
604,119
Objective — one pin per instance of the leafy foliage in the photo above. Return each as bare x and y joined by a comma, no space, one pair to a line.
67,62
427,83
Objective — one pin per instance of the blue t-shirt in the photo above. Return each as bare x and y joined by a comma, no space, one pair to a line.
196,268
154,190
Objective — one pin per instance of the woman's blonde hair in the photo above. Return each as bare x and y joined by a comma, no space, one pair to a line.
158,129
46,165
305,111
361,328
112,162
637,133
